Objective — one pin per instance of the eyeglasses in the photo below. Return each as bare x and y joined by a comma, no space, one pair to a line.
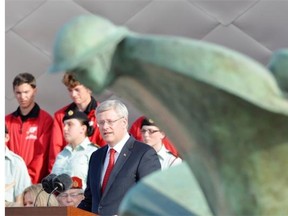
109,122
150,131
73,195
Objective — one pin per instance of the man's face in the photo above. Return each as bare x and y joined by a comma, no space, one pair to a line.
73,131
80,94
71,197
25,95
112,126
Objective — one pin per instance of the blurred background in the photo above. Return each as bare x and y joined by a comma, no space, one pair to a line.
255,28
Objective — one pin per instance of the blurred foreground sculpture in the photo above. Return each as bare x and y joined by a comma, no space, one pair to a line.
225,113
278,65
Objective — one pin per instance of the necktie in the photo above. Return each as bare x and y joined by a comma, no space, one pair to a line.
109,168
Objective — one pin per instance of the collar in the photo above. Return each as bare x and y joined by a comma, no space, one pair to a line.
162,152
91,106
83,145
34,113
118,147
8,153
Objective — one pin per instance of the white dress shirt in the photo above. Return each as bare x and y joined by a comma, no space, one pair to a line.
167,159
118,147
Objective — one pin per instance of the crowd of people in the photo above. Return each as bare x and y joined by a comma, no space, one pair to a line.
89,140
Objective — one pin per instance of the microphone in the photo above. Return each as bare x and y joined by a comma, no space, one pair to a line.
47,183
37,197
46,186
62,182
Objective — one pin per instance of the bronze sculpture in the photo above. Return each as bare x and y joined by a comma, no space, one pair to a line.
225,112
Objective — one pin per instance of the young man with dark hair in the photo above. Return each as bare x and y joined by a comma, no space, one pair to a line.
29,128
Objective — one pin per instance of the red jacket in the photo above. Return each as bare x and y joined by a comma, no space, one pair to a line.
58,142
135,132
30,139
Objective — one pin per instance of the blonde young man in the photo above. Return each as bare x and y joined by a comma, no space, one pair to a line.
153,136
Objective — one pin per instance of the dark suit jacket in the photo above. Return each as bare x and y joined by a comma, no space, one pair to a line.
135,161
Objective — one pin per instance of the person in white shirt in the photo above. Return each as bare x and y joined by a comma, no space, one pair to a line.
74,158
153,136
16,176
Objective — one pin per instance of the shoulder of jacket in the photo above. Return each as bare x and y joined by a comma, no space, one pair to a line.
174,160
100,150
16,157
94,144
44,113
61,110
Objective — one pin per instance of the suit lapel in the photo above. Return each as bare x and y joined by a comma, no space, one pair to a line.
122,158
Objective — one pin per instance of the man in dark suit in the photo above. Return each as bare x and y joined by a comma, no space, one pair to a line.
129,160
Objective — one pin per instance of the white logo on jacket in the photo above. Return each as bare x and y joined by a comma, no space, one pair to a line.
32,133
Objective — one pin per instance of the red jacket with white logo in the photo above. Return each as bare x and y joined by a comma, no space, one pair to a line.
30,138
58,142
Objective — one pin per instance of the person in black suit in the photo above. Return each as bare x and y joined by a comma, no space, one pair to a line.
133,160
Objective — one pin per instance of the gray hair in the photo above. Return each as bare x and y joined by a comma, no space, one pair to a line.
115,105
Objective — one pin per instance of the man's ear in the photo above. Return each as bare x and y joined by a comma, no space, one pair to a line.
163,134
125,121
84,128
35,91
89,90
7,138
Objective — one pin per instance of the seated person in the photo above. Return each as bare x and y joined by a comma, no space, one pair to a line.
72,196
153,136
74,158
34,195
16,176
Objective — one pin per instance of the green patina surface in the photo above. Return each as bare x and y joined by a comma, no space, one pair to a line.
225,112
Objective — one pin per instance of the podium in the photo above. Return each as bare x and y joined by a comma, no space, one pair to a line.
46,211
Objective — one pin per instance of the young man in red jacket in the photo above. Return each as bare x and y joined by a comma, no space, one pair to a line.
82,101
29,128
